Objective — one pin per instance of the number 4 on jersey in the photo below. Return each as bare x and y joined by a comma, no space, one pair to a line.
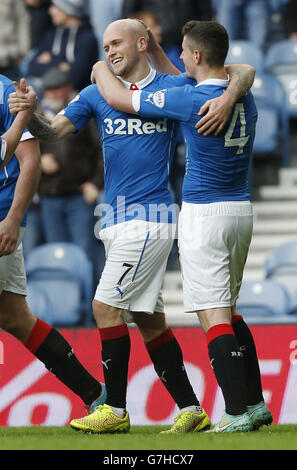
241,141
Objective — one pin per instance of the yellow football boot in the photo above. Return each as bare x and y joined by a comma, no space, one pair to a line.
102,420
187,421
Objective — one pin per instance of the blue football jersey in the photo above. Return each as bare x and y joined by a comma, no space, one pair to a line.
216,166
9,174
137,153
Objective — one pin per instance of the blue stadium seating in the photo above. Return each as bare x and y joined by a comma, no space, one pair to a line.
292,309
272,130
63,271
281,61
245,52
264,298
281,265
39,303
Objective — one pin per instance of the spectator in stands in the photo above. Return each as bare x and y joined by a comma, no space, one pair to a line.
290,20
40,20
172,14
70,45
72,176
14,37
244,19
102,13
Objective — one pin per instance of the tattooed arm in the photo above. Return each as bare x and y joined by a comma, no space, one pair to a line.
241,79
39,126
50,131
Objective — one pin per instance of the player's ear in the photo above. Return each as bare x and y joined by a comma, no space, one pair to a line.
142,44
197,56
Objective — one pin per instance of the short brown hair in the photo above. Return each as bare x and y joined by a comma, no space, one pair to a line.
211,38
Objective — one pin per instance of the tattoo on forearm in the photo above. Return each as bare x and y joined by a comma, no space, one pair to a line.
241,83
41,128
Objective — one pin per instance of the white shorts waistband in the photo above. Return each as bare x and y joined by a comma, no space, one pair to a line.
234,208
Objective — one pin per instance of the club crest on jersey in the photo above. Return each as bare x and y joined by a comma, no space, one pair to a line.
157,98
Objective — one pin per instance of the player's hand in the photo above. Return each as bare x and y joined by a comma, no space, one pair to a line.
17,100
218,111
23,99
32,100
17,104
152,43
9,234
96,70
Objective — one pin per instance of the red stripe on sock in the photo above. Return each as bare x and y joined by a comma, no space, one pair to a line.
236,318
40,331
219,330
113,332
166,336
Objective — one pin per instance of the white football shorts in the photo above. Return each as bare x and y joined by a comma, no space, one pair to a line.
214,240
136,259
12,270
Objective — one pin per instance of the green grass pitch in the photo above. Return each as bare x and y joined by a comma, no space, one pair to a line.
275,437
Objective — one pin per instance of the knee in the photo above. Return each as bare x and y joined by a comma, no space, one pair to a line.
7,322
150,326
11,323
106,315
150,334
15,316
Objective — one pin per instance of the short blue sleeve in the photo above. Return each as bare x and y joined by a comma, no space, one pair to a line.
175,103
180,80
81,109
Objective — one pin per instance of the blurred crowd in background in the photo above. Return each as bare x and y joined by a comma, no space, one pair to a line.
54,44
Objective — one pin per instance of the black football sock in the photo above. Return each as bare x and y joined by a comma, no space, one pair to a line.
167,358
251,365
227,362
115,359
51,348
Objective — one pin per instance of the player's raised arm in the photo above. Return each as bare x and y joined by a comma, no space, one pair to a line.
219,109
111,88
11,138
158,58
50,131
42,128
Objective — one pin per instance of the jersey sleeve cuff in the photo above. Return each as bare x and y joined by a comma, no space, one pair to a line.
136,100
3,149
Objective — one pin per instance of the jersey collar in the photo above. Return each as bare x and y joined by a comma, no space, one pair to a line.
214,81
143,83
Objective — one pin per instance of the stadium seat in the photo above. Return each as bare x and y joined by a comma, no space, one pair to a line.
39,303
63,271
281,61
272,130
263,298
281,265
245,52
292,309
